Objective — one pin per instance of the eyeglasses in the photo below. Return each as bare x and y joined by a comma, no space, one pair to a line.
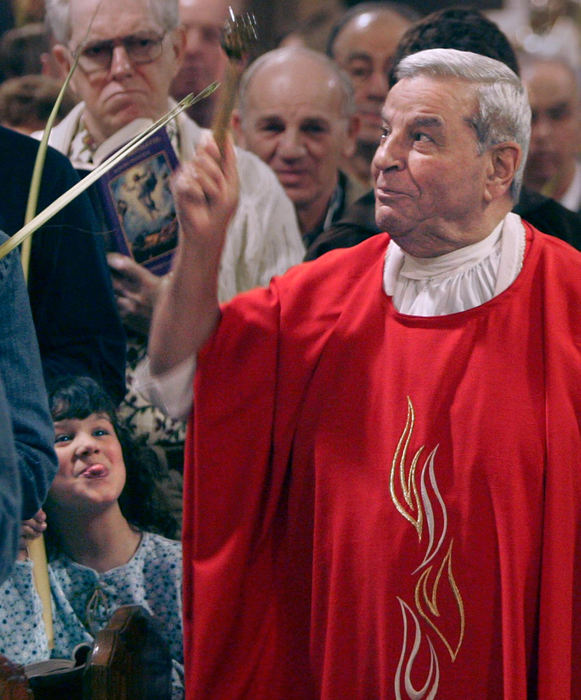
140,48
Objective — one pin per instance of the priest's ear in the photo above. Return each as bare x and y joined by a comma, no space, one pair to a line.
505,159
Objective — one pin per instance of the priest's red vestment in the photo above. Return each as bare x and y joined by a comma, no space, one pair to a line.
386,506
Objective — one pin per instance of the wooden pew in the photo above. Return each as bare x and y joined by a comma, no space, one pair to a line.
129,660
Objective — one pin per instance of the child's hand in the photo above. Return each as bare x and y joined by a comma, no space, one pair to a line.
30,530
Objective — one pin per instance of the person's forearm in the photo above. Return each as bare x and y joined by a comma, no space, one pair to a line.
187,311
206,193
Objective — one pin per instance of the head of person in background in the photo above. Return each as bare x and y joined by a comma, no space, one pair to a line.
102,472
296,113
363,43
27,101
553,167
460,28
127,59
204,58
21,50
312,32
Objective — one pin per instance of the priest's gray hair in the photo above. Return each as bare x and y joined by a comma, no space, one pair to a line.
58,16
503,112
286,53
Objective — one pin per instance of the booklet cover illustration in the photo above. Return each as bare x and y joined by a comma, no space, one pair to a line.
139,206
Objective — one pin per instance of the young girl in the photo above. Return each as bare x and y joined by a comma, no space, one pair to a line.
103,509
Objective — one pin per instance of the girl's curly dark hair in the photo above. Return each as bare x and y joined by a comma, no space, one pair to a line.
142,501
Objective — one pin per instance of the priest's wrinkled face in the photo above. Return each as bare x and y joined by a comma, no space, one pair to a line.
430,180
127,62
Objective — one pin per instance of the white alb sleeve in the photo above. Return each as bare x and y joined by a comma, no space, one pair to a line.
173,391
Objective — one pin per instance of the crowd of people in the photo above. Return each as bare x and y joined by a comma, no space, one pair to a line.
334,450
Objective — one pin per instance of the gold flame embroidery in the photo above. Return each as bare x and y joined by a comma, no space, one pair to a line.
413,512
430,598
415,494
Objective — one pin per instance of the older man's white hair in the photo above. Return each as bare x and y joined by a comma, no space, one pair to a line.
503,112
58,16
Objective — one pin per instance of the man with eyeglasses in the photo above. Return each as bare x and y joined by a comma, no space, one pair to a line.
128,57
121,75
129,53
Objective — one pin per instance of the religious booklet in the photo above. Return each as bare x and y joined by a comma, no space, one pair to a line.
137,200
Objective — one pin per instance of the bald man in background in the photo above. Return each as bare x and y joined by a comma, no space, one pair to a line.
362,43
296,113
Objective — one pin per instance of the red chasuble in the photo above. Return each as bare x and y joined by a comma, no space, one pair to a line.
386,506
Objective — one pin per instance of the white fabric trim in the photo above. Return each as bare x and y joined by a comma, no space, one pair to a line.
172,391
457,281
512,252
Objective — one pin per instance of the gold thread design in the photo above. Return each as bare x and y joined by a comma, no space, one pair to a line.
419,502
408,486
431,600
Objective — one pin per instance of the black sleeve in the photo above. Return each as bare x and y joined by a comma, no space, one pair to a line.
78,327
356,225
550,217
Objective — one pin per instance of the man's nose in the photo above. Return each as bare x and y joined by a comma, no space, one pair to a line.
542,128
389,155
376,85
120,62
291,144
193,40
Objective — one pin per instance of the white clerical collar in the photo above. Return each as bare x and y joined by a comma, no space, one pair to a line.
451,263
459,280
